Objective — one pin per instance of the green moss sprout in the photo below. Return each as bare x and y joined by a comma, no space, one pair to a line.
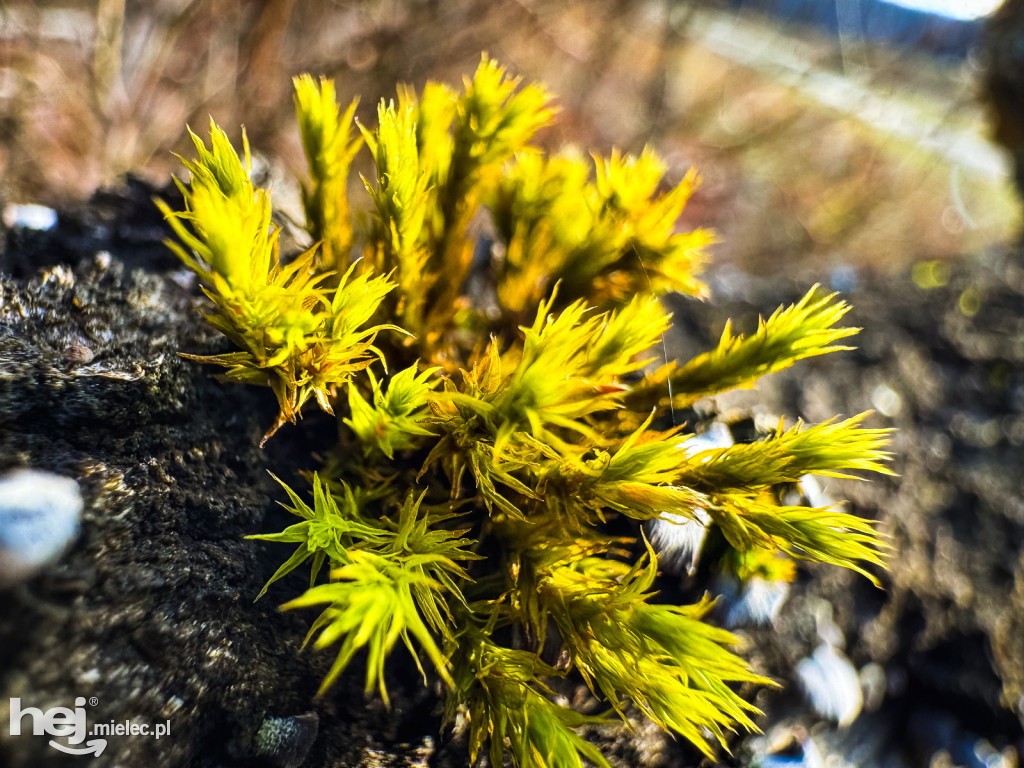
505,427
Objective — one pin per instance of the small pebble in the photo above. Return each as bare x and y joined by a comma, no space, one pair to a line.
788,747
873,683
813,494
39,518
831,684
78,354
886,400
757,603
37,217
285,741
717,435
680,539
800,756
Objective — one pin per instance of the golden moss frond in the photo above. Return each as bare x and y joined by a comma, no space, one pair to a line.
833,449
509,708
392,422
299,338
670,663
330,147
607,239
326,532
827,535
370,604
802,330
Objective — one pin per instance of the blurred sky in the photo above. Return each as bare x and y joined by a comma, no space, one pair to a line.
956,9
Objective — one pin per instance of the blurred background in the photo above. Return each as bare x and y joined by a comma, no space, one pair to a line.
861,144
834,131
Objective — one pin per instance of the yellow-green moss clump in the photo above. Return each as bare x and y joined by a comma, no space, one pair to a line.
497,417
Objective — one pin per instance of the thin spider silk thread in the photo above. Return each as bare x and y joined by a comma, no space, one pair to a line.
664,346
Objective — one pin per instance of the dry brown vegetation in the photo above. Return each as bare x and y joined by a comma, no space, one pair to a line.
808,151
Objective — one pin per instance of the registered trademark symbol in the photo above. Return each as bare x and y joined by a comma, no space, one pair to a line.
93,701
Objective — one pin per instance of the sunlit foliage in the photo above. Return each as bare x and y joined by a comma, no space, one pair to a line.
517,422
